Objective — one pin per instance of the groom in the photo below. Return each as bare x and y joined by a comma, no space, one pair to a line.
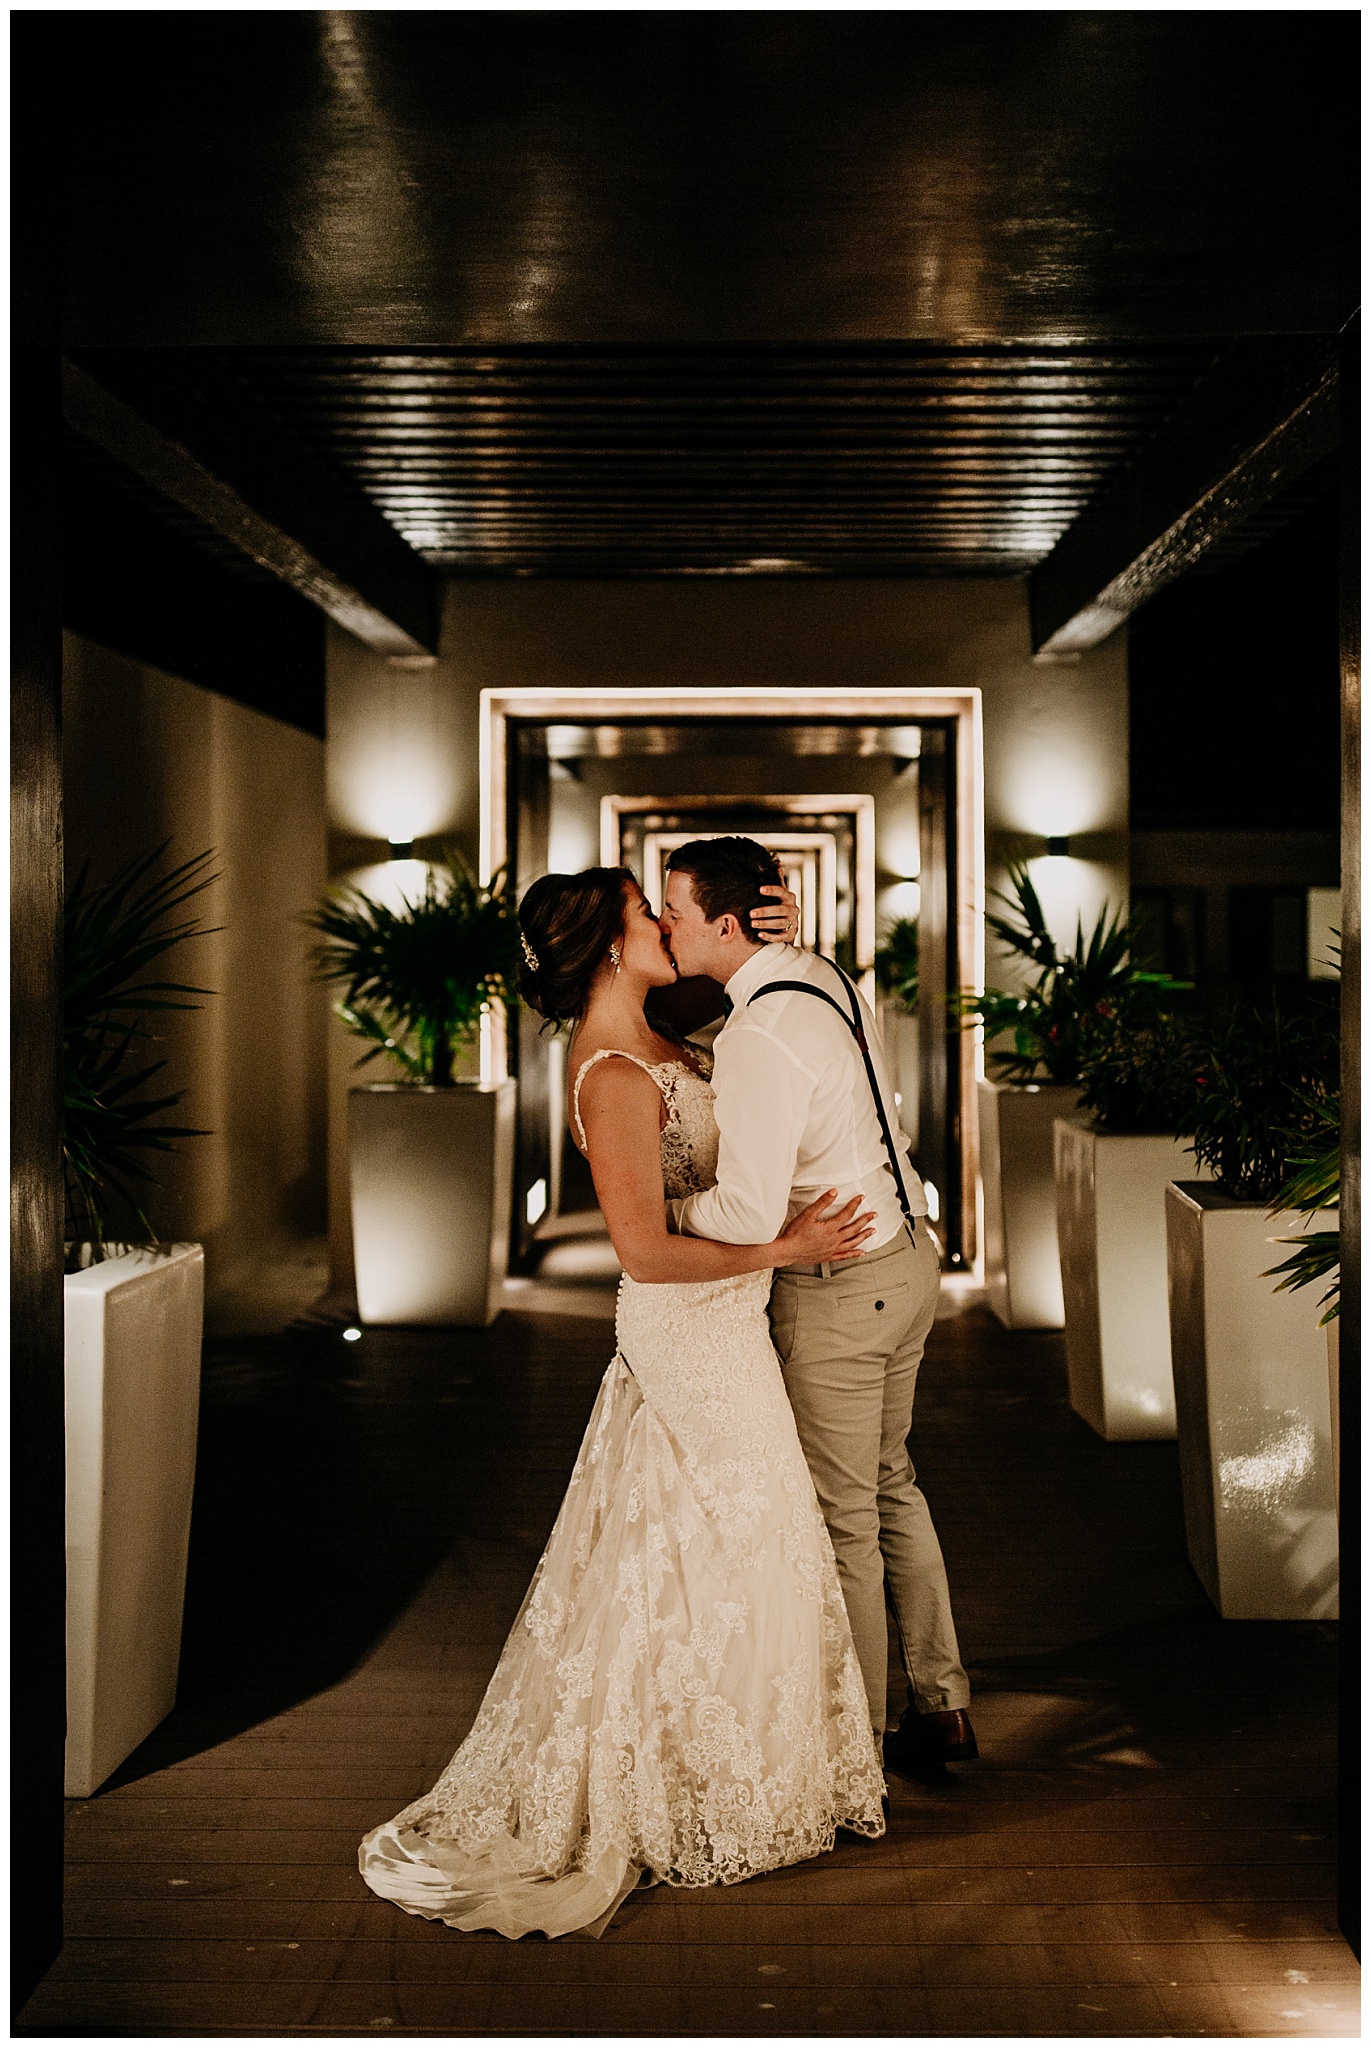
796,1115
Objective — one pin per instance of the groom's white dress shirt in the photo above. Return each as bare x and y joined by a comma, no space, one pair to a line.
795,1112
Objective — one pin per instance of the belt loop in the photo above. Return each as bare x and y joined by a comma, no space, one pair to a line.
825,1270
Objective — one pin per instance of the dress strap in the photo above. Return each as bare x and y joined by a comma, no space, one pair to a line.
609,1052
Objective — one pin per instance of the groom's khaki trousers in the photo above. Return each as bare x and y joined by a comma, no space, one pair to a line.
850,1346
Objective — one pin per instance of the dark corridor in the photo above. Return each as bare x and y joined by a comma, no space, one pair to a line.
1146,1848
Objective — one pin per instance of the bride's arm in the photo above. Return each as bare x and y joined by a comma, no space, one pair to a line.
621,1112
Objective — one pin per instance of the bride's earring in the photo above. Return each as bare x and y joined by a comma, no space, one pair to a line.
615,955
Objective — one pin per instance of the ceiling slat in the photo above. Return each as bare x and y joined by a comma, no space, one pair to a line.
893,459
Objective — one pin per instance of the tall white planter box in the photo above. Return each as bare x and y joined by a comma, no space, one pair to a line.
432,1172
1111,1232
1333,1332
132,1332
1251,1371
1023,1279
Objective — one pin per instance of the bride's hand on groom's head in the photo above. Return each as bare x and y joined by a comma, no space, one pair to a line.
777,923
812,1238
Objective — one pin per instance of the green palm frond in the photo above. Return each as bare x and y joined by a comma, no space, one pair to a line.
1315,1184
366,1024
1316,1154
112,935
1315,1257
1025,931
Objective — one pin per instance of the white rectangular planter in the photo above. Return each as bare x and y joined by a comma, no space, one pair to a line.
1111,1231
132,1331
1333,1333
1251,1371
432,1172
1023,1279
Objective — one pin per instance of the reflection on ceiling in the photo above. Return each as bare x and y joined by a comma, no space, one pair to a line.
901,459
495,177
738,736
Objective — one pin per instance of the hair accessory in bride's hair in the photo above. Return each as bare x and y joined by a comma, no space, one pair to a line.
529,954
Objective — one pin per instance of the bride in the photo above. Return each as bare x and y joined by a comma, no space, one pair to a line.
679,1699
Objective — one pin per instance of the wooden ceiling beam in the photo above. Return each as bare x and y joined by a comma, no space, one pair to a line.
344,558
1264,415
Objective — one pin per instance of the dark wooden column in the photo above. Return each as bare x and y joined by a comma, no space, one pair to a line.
1266,413
38,1648
1349,1338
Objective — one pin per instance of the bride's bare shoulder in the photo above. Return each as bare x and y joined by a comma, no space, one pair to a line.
610,1086
615,1071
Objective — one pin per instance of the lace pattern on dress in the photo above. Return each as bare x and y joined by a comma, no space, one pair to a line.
679,1697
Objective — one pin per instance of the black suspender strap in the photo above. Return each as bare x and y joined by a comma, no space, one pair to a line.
854,1025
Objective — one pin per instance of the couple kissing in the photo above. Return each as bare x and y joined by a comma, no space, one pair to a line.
695,1689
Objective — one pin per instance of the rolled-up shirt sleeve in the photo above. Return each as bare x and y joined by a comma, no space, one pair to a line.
762,1095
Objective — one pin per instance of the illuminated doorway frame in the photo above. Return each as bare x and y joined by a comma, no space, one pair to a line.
583,707
794,810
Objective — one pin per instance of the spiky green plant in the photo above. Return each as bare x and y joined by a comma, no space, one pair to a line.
1070,994
1263,1074
415,979
1315,1185
111,935
897,962
1138,1069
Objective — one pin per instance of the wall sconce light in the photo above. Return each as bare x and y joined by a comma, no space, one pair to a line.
1059,847
401,849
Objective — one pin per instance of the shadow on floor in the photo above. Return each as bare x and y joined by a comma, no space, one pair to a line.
1145,1849
332,1477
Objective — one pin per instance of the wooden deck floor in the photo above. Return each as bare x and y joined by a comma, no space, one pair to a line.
1145,1849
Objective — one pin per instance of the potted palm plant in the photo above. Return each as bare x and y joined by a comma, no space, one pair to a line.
1113,1162
133,1315
1036,1078
431,1155
1250,1366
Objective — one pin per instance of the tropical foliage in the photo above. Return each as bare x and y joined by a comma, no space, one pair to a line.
416,978
1315,1185
112,935
1266,1092
1138,1068
1071,994
897,962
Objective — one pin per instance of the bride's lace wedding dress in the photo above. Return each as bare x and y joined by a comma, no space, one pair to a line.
679,1698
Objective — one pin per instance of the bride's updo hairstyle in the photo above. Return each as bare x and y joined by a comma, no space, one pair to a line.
569,923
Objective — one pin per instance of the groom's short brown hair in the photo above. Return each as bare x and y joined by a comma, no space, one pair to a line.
726,877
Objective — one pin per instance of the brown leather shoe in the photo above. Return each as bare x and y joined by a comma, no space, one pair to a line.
924,1741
